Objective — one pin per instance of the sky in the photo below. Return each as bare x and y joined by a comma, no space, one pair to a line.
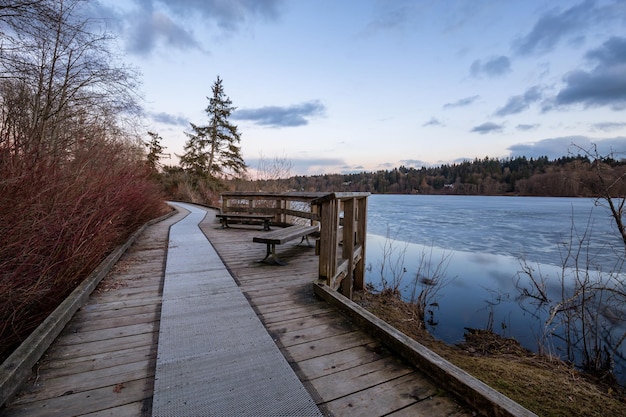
343,86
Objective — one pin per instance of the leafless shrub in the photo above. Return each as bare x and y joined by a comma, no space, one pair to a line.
423,288
584,321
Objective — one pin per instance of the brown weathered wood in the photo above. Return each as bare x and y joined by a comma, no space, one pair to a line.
100,400
280,236
347,250
400,392
361,233
358,378
265,218
86,363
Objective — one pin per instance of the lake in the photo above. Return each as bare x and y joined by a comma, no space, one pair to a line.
477,246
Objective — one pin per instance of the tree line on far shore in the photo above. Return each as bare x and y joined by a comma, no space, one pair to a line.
569,176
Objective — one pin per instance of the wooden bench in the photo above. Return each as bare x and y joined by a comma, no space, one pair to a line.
245,216
278,237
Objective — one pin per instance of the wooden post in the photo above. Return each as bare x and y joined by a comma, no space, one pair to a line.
328,241
361,232
348,245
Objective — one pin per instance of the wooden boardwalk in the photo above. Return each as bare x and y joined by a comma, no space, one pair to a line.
103,363
347,372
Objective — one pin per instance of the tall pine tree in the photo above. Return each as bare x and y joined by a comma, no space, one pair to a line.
214,151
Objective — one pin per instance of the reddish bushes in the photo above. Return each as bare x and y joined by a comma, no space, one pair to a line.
58,220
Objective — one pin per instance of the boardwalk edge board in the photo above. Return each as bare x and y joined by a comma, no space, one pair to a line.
17,368
466,387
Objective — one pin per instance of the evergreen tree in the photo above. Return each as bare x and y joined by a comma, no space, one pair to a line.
214,151
155,150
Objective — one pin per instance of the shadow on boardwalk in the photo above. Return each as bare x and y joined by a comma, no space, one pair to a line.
104,361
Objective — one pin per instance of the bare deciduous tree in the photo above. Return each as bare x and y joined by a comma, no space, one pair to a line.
59,71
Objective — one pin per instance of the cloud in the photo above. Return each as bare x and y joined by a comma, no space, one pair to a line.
388,16
604,85
228,15
526,127
387,165
305,166
274,116
556,25
150,28
414,163
493,67
169,119
156,23
487,128
612,52
433,122
518,104
555,148
462,102
608,126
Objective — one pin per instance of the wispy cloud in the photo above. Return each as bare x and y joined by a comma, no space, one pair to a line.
388,16
526,127
608,126
276,116
433,122
518,104
569,145
604,85
169,119
462,102
493,67
487,127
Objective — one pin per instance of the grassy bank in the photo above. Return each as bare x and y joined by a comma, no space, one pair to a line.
544,385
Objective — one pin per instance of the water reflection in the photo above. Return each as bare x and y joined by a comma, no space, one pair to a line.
480,290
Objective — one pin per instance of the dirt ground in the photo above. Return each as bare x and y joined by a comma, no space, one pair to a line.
544,385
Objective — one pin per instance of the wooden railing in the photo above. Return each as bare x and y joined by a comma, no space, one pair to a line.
343,228
342,241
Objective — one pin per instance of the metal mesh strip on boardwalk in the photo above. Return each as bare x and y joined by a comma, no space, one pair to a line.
214,357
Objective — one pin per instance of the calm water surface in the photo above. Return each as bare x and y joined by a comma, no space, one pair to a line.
479,245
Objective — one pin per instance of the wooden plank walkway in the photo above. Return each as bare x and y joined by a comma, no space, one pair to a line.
347,372
103,363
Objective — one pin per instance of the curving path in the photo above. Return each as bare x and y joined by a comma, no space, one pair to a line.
214,355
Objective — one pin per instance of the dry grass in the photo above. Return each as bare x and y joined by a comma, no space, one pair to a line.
546,386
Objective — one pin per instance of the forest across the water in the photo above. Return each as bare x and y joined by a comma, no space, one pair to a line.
570,176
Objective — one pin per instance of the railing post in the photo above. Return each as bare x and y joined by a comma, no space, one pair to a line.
328,240
348,246
361,238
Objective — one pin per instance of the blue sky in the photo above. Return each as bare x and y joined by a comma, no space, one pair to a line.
344,86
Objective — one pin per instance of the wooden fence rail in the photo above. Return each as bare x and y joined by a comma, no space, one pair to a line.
343,228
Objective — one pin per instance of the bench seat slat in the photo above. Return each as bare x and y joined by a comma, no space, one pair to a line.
246,216
278,237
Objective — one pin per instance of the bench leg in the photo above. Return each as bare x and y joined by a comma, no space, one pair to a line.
224,222
308,242
266,224
270,256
